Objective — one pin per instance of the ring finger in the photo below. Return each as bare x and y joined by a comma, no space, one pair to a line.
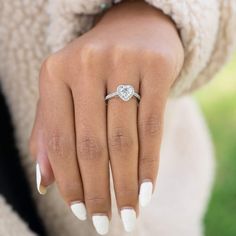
123,150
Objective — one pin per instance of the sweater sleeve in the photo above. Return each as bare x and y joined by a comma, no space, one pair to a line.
206,29
11,223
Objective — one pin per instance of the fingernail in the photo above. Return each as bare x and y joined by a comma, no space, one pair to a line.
145,193
128,217
41,189
79,210
101,224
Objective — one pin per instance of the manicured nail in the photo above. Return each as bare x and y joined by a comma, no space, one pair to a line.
41,189
145,193
128,217
79,210
101,224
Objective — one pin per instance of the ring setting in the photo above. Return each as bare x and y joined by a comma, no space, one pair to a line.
124,92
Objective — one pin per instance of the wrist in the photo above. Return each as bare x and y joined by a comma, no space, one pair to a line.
127,10
139,23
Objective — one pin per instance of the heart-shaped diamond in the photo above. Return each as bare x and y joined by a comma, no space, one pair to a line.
125,92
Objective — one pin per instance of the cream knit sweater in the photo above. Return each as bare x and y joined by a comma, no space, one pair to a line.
30,30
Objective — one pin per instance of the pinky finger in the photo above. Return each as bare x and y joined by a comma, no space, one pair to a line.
44,173
150,133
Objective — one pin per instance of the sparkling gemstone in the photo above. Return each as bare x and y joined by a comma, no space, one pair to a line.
125,92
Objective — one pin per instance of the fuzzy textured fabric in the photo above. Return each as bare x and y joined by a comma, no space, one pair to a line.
207,30
10,222
30,30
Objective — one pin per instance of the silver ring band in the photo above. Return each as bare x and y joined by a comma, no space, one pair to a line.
125,92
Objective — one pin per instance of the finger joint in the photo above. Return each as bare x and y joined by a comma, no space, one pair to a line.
151,126
120,140
90,148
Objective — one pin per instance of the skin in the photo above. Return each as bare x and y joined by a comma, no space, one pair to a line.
76,134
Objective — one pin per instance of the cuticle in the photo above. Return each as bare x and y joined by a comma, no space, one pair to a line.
75,202
146,180
127,208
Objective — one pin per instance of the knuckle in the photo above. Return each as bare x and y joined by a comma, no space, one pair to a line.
95,200
120,140
124,49
162,56
90,51
122,54
59,146
50,63
151,126
92,57
117,49
125,191
148,162
97,203
51,68
69,190
127,195
162,59
86,52
90,147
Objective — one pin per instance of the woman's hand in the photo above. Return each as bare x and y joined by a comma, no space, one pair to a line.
76,134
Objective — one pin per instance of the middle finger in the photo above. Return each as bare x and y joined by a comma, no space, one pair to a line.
90,119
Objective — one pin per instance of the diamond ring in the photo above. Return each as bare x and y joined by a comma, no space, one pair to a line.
125,92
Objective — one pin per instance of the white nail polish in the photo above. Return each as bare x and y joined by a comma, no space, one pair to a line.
128,217
41,189
101,224
79,210
145,193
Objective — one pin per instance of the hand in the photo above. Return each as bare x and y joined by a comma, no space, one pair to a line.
76,134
